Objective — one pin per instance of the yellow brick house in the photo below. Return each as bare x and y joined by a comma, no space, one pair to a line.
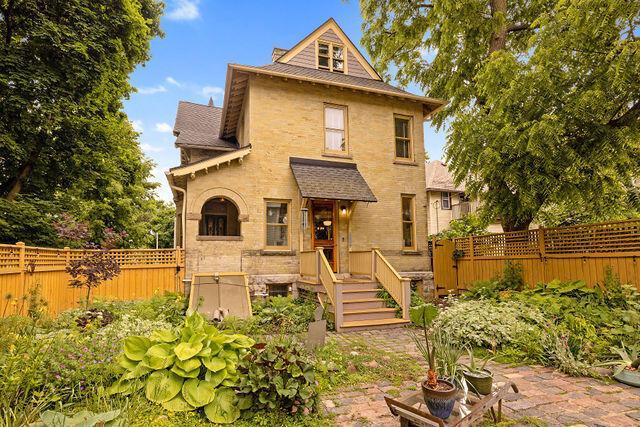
311,175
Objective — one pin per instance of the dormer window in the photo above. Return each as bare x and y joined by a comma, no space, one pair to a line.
330,57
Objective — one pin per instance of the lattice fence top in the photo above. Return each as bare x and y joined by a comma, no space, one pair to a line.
50,258
620,236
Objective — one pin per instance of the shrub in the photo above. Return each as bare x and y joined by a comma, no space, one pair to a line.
193,368
509,280
279,376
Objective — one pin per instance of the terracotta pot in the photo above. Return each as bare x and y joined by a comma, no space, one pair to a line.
440,402
479,382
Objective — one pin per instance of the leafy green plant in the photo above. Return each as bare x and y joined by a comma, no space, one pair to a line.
193,368
447,355
474,367
279,313
279,376
509,280
628,358
81,419
423,316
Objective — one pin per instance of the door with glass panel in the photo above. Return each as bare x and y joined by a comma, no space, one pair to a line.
324,229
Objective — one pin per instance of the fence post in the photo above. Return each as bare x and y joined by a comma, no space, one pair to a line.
21,266
472,261
543,255
373,263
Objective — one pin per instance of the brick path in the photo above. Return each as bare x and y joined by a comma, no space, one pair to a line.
553,397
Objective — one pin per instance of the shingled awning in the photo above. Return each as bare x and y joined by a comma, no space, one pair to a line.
321,179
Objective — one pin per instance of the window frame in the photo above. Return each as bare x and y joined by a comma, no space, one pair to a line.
442,199
345,120
267,224
409,139
412,198
331,45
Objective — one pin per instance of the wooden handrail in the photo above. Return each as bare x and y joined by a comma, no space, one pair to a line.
398,287
332,286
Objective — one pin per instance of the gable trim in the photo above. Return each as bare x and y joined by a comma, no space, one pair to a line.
330,24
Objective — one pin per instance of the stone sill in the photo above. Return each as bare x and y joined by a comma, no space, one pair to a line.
405,163
220,238
410,252
267,252
337,155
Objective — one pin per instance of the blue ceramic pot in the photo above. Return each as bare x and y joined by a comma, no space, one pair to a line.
440,402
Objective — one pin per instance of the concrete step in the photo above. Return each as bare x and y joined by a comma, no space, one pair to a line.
364,325
360,294
363,303
368,314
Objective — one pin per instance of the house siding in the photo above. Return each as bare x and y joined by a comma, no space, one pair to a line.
285,119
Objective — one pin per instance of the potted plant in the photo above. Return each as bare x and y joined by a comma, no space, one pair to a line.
439,394
627,368
477,376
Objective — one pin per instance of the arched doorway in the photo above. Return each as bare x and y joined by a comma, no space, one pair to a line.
219,217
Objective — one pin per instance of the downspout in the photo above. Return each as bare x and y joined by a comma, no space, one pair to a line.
183,226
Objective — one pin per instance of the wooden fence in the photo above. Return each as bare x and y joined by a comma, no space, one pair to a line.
581,252
143,273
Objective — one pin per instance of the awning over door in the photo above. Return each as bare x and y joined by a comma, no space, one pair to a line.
321,179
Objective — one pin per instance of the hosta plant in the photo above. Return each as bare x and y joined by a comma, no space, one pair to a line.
280,376
195,367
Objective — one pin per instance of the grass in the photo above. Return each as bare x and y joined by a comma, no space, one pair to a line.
509,422
345,365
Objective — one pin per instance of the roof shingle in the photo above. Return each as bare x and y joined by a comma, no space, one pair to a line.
198,126
439,178
321,179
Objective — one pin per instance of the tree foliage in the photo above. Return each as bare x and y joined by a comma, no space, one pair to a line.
64,140
544,96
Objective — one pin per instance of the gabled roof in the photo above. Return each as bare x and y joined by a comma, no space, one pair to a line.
330,25
198,126
322,179
439,178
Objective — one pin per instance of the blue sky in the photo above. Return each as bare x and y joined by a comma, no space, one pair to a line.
201,37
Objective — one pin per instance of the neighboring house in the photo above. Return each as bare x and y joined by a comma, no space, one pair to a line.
311,151
447,201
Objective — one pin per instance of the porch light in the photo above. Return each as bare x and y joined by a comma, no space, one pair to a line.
343,209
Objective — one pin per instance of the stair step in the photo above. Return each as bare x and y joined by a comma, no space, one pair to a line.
355,291
370,310
369,314
363,303
357,294
353,286
358,325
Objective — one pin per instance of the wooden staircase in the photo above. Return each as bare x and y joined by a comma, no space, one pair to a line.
354,300
362,309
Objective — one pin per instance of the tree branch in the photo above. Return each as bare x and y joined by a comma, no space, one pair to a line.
521,26
627,118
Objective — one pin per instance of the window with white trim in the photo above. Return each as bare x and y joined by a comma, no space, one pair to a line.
445,200
408,225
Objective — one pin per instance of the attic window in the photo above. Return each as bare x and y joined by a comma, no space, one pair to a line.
330,57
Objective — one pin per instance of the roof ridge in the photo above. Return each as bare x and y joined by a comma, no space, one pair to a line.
200,105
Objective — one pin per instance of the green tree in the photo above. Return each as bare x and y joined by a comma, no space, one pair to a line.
544,96
64,140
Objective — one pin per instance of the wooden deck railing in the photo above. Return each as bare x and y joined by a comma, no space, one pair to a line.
360,263
332,286
309,265
398,287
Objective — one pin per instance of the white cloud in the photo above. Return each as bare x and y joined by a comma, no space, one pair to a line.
137,125
212,91
184,10
151,148
151,90
173,81
164,128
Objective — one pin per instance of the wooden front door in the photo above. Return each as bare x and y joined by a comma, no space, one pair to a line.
324,226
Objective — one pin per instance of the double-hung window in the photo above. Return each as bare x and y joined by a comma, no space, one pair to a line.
403,138
330,57
445,200
408,222
277,224
335,136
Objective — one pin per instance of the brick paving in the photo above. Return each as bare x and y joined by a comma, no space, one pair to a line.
546,395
